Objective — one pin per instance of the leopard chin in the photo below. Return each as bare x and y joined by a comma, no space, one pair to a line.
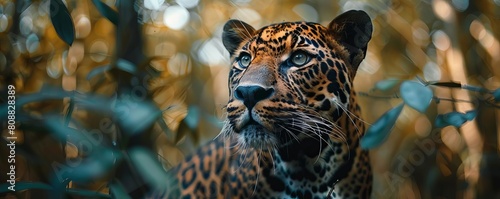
257,137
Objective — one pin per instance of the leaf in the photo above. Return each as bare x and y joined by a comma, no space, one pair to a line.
24,186
98,70
94,102
135,117
54,123
387,84
214,121
474,88
117,191
62,21
447,84
69,112
106,11
378,132
148,167
440,122
454,118
470,115
126,66
192,118
45,93
496,95
416,95
98,163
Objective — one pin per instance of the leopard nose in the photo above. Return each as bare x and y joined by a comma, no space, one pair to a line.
250,95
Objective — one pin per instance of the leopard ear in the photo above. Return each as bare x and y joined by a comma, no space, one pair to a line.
235,32
354,30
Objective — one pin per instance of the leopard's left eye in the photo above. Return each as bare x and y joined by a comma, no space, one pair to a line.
300,58
244,60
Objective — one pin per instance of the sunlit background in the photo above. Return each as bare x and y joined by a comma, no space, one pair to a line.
436,40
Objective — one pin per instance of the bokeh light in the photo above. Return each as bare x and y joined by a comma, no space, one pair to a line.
175,17
153,4
212,53
179,64
441,40
188,3
83,27
4,23
32,43
423,126
165,49
442,9
432,72
248,15
99,51
26,25
460,5
307,12
54,66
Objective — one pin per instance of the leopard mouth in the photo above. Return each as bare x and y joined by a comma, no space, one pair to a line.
256,136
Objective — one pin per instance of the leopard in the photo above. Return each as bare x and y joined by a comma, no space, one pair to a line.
293,124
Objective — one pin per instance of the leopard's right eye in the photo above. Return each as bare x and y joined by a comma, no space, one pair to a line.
244,60
300,58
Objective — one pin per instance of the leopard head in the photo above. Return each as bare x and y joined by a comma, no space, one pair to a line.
291,82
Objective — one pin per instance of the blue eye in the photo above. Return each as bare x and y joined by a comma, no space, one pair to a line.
300,58
244,60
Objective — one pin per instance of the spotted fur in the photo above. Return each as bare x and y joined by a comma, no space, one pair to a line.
293,124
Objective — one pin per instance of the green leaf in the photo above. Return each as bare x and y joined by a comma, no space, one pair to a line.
69,112
117,191
387,84
378,132
135,117
97,71
474,88
214,121
496,95
97,165
94,102
149,168
24,186
439,122
470,115
192,118
106,11
126,66
54,123
45,93
455,119
416,95
62,21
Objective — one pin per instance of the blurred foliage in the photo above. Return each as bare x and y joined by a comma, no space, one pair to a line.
102,85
